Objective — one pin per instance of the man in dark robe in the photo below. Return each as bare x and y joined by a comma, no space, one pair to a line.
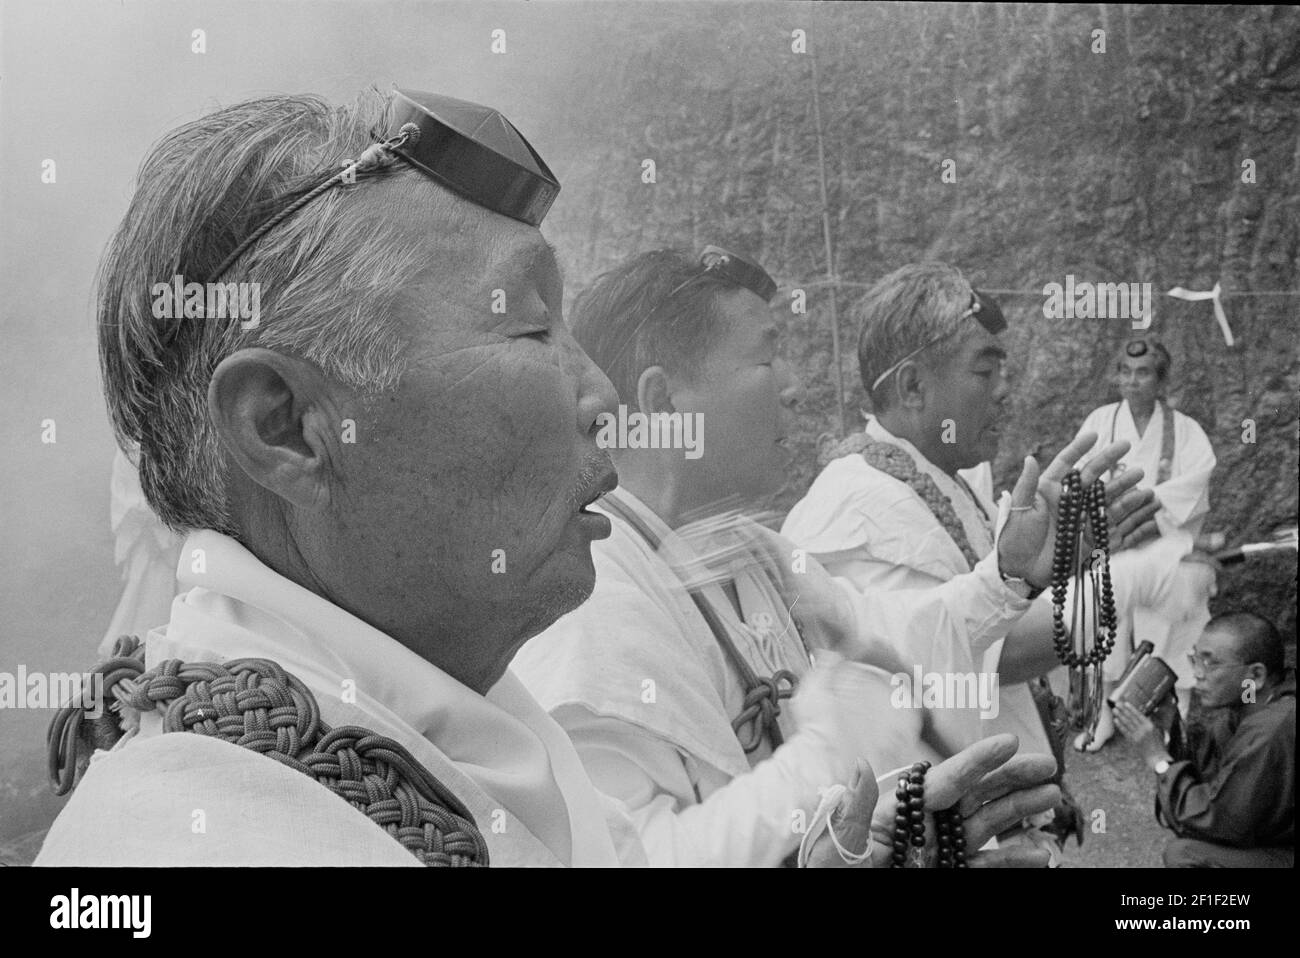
1228,792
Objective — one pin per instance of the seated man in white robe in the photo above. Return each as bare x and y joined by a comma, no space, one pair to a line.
349,462
907,503
1176,460
671,678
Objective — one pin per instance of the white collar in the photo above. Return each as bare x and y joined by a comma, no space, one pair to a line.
503,743
977,525
1126,420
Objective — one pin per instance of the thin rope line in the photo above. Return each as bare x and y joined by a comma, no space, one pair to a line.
279,218
1039,292
375,156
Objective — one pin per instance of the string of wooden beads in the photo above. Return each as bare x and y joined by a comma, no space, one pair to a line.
909,824
952,838
909,818
1078,505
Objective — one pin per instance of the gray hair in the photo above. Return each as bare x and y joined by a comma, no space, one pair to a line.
912,306
329,277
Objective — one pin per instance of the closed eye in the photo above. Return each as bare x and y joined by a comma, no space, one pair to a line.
541,335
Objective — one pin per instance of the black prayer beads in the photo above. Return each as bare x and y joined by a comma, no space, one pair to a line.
909,823
909,818
952,838
1078,505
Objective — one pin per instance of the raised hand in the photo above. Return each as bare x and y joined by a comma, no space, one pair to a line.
1027,542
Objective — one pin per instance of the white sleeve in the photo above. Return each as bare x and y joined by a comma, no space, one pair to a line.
1185,495
754,819
748,822
908,627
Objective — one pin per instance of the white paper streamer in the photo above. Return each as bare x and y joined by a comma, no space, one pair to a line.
1213,295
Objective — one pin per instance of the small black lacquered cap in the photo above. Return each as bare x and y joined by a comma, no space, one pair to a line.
475,151
739,270
988,312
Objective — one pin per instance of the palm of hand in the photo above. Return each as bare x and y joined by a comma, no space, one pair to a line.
1026,547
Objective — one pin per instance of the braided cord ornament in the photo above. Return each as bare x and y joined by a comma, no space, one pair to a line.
1087,641
895,462
256,704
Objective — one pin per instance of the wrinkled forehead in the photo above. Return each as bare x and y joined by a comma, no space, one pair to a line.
521,261
464,254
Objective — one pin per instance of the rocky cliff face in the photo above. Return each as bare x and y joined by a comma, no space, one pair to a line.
1127,164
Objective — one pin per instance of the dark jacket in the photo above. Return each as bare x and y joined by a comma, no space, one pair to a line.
1234,781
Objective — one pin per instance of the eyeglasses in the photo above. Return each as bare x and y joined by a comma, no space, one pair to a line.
986,312
1201,667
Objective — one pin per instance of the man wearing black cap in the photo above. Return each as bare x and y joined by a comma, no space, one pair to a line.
384,483
1177,460
908,502
687,681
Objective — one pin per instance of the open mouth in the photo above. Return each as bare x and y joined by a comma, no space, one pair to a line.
606,483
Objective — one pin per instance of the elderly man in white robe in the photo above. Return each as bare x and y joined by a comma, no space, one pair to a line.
346,466
907,503
1176,460
670,680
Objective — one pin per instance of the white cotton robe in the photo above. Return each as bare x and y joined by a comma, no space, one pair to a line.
1173,624
874,531
500,754
637,679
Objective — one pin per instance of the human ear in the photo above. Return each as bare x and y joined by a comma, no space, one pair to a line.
1257,674
273,415
653,393
909,386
